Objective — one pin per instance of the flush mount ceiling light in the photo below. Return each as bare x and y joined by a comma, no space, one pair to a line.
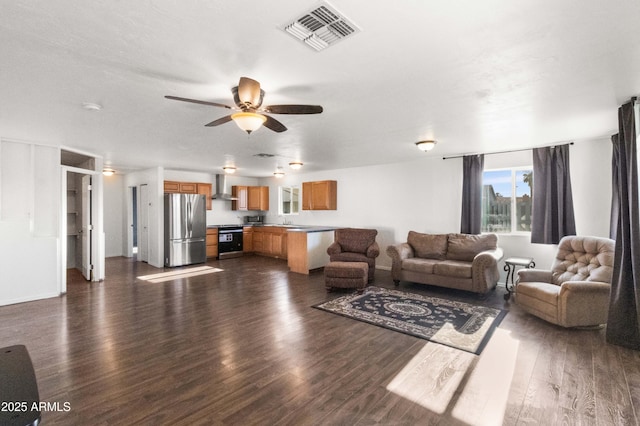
248,121
296,165
279,173
426,145
229,169
108,172
89,106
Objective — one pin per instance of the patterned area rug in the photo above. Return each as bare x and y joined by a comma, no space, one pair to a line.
448,322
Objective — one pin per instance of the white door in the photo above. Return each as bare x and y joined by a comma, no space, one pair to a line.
143,225
86,229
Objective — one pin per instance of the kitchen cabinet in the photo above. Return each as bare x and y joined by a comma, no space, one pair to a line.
239,192
247,239
212,242
258,198
205,189
320,195
250,197
308,250
270,241
181,187
258,241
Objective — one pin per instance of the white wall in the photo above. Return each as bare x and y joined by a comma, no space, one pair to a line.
29,221
114,215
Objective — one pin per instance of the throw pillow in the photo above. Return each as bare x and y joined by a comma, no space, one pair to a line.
428,246
466,246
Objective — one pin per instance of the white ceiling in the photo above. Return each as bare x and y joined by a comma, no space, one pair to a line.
477,76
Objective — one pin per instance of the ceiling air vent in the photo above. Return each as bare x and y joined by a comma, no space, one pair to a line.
321,27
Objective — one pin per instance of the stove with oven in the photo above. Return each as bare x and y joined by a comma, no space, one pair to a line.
229,241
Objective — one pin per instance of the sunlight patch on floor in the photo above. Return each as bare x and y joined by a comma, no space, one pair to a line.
483,400
448,335
432,376
178,274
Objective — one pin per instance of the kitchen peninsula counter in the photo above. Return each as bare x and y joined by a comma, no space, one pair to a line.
308,247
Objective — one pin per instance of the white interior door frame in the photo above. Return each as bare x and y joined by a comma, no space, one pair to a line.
130,227
143,223
86,229
97,240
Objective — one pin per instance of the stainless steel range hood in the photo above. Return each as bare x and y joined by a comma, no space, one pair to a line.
222,192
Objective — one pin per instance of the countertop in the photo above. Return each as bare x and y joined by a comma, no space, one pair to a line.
291,228
302,228
309,229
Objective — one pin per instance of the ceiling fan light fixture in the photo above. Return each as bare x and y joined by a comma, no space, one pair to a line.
296,165
248,121
229,169
426,145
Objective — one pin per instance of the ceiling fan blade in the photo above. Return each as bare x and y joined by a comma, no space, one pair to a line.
219,121
249,92
274,125
293,109
195,101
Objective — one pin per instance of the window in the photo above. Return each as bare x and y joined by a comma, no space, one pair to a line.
289,200
506,200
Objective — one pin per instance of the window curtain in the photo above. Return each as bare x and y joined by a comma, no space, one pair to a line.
472,169
552,209
615,196
623,325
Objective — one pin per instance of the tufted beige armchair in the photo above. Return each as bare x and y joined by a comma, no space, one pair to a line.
575,292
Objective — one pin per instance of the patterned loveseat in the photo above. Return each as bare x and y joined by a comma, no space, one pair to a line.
460,261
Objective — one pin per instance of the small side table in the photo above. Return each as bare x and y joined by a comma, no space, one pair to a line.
510,265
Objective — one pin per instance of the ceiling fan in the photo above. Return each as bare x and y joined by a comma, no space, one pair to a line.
248,96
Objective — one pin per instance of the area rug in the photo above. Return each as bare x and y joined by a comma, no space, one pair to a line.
449,322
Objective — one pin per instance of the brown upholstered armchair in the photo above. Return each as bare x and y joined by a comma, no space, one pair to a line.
575,292
355,245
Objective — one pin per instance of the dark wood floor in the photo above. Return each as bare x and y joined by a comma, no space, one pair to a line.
243,346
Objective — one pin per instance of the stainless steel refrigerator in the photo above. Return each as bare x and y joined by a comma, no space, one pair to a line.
185,229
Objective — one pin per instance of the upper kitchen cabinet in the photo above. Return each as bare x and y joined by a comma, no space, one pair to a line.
181,187
240,193
206,189
250,198
258,198
320,195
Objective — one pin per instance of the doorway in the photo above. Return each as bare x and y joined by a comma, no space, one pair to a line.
81,220
138,219
79,225
134,219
